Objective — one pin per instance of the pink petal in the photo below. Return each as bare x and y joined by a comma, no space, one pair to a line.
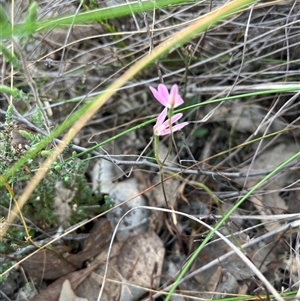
163,91
159,125
159,94
175,128
173,95
179,101
169,100
165,132
179,126
162,116
156,94
175,98
174,118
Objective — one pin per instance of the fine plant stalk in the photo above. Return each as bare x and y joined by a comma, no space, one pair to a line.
170,113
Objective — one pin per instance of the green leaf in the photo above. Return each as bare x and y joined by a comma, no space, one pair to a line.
9,91
8,55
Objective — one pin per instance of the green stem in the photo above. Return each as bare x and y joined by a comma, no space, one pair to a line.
156,141
161,163
170,114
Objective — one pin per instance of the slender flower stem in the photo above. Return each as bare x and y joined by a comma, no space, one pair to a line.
156,142
159,163
170,114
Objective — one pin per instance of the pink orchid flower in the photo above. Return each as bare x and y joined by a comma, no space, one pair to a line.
161,128
169,100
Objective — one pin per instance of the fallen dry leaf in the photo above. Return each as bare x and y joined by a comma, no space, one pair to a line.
50,263
52,292
56,262
223,283
135,221
134,266
90,287
140,259
67,294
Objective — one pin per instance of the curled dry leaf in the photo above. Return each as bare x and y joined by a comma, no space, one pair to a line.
271,202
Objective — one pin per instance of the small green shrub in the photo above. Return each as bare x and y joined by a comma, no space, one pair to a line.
39,211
